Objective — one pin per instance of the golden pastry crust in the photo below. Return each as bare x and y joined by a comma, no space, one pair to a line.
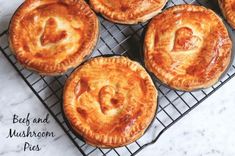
51,36
128,11
228,10
190,50
111,109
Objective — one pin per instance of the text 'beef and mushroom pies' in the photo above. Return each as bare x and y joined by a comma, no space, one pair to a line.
228,10
51,36
187,47
128,11
110,101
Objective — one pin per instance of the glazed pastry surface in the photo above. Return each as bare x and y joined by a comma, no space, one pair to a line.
128,11
51,36
190,50
110,101
228,10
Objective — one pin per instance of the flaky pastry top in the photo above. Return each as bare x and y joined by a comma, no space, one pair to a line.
128,11
228,9
110,101
51,36
187,47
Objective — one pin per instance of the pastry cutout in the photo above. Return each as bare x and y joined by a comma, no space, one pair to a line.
233,6
82,86
51,34
109,99
190,50
82,112
116,109
185,40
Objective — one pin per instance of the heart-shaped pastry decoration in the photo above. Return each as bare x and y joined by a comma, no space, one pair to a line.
185,40
51,34
190,50
110,99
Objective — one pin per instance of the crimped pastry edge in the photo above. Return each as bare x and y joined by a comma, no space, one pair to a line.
107,14
227,13
192,87
123,141
63,68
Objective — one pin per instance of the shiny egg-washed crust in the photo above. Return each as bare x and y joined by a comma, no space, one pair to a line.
110,101
128,11
51,36
190,50
228,10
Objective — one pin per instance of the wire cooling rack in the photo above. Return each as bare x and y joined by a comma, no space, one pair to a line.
122,40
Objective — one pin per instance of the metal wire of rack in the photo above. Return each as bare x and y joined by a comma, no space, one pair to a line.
122,40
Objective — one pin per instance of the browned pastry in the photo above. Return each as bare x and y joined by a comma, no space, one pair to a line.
51,36
128,11
110,101
187,47
228,10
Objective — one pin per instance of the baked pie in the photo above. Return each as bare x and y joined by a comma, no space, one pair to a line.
128,11
187,47
51,36
110,101
228,10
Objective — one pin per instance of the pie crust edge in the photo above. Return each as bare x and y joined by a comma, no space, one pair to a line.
44,69
148,40
110,142
99,8
227,13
